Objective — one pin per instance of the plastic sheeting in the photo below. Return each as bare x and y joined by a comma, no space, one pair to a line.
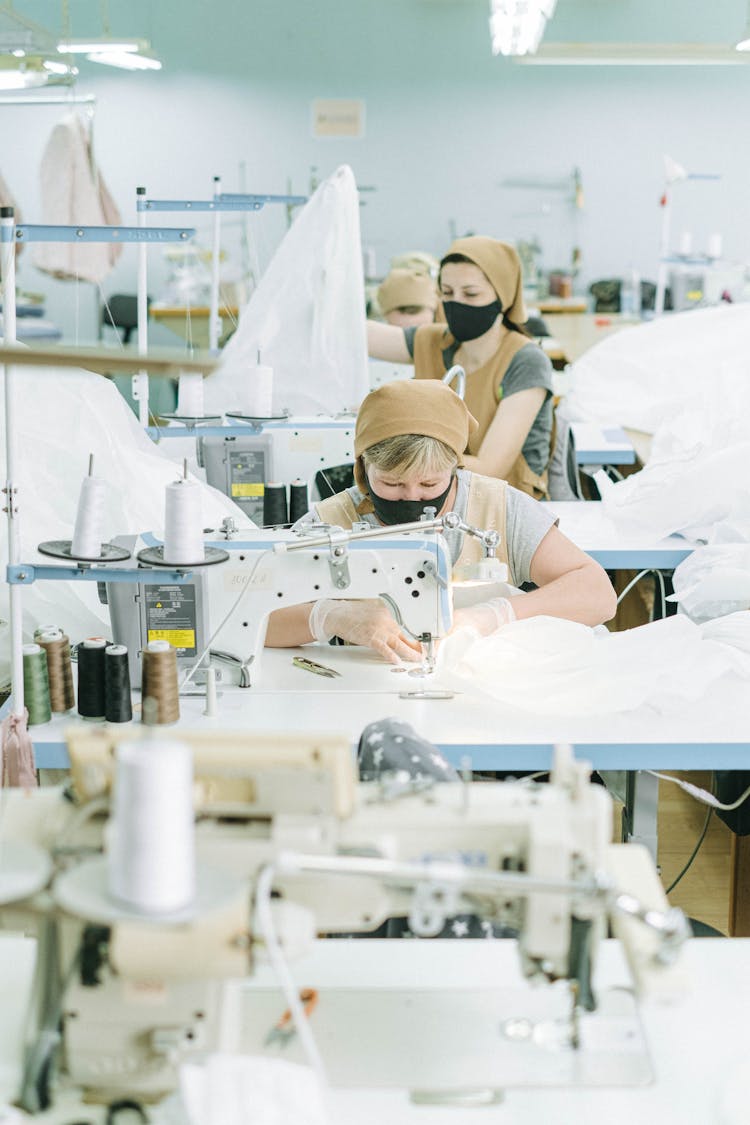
713,581
639,376
61,416
307,316
550,666
696,479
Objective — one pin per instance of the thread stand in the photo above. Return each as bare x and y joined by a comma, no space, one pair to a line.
256,423
192,421
154,556
61,549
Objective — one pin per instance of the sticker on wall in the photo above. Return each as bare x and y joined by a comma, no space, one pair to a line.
338,117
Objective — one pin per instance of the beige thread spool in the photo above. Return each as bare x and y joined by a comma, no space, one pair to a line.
159,682
60,670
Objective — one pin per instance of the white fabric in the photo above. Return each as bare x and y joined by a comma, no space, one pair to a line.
696,479
74,193
306,318
247,1090
550,666
60,417
639,376
713,581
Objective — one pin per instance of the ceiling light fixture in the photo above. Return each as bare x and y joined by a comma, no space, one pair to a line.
28,55
517,26
635,54
127,59
121,51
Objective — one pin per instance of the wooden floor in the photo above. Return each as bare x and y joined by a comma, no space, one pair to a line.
703,893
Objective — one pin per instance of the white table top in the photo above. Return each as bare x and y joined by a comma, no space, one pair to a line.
601,445
585,522
711,731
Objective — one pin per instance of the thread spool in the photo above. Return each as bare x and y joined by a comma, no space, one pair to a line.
46,629
36,684
151,858
714,245
190,403
299,504
258,391
275,512
118,705
91,698
686,243
159,682
183,526
88,533
59,669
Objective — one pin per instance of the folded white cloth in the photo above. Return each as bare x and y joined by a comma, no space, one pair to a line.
228,1089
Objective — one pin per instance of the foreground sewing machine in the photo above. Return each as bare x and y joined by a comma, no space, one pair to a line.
408,566
133,996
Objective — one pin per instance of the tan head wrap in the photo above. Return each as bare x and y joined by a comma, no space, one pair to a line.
411,406
501,265
406,287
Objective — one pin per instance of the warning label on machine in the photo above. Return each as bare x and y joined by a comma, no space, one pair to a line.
171,616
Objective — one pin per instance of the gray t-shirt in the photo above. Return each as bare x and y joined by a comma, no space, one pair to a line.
530,367
526,521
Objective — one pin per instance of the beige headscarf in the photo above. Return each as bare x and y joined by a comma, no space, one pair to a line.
411,406
501,265
406,287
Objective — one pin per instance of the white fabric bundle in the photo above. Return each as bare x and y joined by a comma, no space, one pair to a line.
555,667
713,581
306,318
230,1089
696,479
640,376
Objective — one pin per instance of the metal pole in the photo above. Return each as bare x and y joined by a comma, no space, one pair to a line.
214,320
139,382
7,236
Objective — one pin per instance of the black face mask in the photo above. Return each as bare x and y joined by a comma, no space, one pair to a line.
467,322
406,511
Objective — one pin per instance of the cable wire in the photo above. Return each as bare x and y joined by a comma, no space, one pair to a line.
693,854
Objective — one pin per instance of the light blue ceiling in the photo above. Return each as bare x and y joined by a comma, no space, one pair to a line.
371,42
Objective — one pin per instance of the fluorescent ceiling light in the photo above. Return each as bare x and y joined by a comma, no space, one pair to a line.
33,71
126,60
634,54
517,26
89,46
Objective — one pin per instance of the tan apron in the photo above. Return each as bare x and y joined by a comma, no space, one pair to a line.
482,394
485,510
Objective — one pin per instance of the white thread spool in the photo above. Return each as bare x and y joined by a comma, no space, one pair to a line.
714,246
686,243
183,525
190,396
258,391
152,841
88,533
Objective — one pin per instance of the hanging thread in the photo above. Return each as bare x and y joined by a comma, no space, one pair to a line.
298,502
159,682
183,526
275,512
59,669
91,694
88,533
151,859
190,402
36,685
118,705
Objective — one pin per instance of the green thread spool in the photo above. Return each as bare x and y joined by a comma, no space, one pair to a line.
36,684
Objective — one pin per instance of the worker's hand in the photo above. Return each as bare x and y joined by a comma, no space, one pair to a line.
364,621
485,617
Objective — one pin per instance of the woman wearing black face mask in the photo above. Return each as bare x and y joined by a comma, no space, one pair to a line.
408,443
508,377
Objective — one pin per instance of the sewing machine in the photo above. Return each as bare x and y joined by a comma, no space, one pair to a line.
408,566
132,997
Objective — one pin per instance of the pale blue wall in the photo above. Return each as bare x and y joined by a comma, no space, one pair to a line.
446,123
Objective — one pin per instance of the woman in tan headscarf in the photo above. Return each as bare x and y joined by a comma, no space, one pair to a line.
508,376
408,444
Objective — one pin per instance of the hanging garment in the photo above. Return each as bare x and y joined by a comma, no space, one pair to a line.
74,193
306,318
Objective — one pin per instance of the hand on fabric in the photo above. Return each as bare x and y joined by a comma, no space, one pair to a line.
485,617
365,621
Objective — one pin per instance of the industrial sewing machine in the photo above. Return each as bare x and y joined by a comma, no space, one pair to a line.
126,998
408,566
